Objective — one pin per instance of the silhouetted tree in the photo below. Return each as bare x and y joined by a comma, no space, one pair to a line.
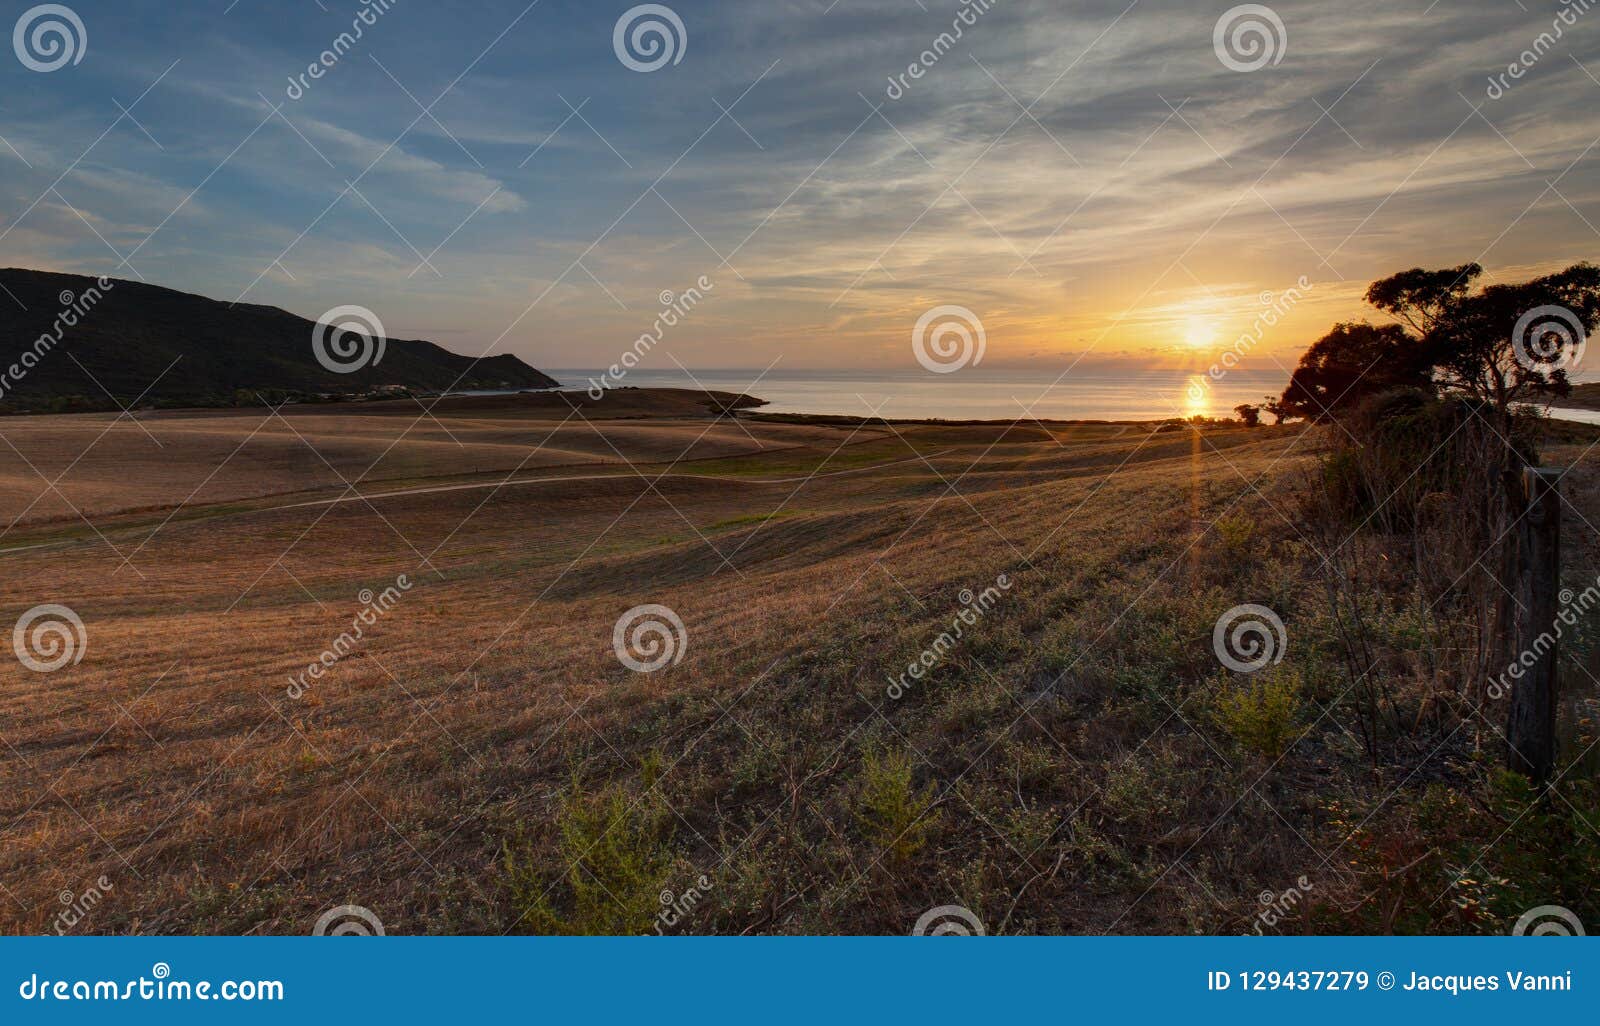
1493,347
1504,343
1274,405
1352,363
1423,298
1251,415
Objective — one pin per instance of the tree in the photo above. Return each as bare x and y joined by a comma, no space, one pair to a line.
1275,405
1251,415
1351,364
1423,298
1501,345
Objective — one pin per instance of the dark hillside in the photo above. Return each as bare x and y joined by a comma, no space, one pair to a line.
134,331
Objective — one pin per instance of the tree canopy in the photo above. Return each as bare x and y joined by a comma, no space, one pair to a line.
1352,363
1500,344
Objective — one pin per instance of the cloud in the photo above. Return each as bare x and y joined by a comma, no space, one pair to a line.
1086,176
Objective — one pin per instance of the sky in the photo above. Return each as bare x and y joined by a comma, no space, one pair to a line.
1094,182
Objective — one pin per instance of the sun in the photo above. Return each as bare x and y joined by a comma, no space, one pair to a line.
1199,332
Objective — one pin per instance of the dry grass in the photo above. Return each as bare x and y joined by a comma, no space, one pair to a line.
1068,787
118,465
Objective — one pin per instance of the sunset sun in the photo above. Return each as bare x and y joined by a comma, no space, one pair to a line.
1199,332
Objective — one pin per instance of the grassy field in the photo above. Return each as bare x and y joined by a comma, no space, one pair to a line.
480,759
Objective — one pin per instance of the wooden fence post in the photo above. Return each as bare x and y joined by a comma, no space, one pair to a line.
1531,721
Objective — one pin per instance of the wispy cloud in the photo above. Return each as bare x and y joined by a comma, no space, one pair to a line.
1084,178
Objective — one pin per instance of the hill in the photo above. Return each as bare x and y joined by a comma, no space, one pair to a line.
126,335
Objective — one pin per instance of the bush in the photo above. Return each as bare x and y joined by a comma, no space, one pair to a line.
1402,450
1263,715
612,864
1237,534
890,810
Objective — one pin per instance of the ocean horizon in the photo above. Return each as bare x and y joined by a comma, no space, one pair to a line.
971,394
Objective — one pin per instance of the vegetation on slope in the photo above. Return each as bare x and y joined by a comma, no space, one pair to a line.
177,349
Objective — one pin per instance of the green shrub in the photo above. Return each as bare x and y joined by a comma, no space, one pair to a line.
612,863
1236,534
1262,715
890,809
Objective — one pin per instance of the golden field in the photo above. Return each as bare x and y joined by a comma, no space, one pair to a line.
481,761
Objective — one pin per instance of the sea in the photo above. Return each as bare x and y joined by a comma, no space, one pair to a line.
980,394
971,393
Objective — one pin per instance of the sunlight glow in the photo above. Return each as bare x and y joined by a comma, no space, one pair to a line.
1199,332
1196,397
